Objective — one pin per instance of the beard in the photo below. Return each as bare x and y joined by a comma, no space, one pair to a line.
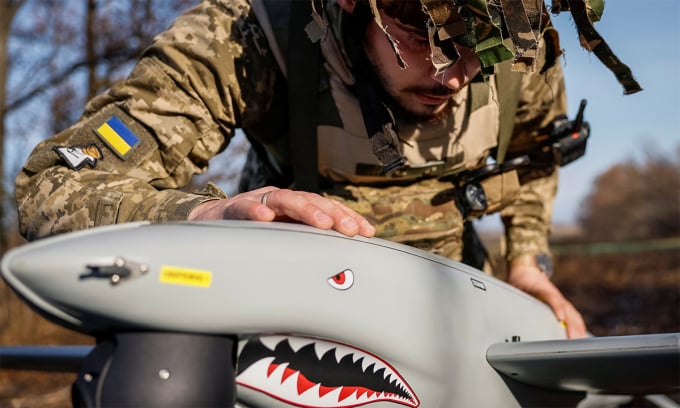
402,110
410,114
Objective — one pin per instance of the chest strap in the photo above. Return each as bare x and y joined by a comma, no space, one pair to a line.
303,64
508,84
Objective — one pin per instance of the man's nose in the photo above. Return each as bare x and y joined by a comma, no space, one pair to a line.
454,77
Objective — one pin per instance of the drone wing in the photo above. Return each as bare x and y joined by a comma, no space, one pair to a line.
640,364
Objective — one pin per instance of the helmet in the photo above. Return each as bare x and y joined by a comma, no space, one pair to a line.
500,30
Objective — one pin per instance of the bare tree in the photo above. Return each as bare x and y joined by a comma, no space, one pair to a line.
8,9
63,54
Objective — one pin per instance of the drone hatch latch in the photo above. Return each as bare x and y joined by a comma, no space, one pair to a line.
117,271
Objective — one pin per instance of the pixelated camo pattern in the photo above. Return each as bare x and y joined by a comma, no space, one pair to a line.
208,74
184,99
419,214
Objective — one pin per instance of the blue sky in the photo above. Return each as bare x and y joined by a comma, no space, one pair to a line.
645,35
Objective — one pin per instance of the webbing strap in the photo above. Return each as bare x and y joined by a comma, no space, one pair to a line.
479,94
508,84
378,119
303,80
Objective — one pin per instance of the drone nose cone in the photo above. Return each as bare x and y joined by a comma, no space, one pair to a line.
28,273
18,266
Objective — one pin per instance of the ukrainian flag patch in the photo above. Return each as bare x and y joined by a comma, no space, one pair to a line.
118,136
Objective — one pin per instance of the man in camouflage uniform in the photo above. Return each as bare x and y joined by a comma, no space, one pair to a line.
222,66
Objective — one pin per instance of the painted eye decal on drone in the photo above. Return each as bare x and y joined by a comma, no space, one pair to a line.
315,373
342,280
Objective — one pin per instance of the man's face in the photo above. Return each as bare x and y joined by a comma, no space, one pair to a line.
416,89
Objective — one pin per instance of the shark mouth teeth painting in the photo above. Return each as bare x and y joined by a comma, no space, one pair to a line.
315,373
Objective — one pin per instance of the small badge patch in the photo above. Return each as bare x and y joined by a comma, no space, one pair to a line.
78,156
118,137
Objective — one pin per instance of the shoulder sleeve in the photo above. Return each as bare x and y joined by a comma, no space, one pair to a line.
139,144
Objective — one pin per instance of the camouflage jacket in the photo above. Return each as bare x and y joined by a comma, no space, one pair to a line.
213,71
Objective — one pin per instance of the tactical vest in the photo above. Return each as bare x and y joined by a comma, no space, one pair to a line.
325,117
411,205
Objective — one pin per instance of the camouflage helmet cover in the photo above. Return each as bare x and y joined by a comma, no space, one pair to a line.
501,30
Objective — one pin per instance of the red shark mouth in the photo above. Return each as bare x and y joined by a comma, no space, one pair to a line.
314,373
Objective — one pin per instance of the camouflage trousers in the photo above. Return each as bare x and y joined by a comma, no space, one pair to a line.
421,215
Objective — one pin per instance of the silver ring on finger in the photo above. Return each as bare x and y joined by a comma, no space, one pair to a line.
265,196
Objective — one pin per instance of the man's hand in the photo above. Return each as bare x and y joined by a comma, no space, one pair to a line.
524,274
273,204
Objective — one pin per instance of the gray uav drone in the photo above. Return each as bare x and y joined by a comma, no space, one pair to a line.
249,314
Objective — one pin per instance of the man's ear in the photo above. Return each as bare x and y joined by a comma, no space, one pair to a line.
347,5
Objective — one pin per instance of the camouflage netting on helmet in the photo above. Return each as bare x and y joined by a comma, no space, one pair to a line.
501,30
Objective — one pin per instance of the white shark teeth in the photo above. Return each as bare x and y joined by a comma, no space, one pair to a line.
271,341
296,343
322,347
287,384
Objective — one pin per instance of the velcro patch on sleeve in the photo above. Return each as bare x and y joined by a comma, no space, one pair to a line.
117,136
114,130
78,156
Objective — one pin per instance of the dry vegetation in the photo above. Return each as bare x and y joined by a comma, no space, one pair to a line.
624,294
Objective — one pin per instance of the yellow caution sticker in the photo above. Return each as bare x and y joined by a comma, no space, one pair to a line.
177,275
